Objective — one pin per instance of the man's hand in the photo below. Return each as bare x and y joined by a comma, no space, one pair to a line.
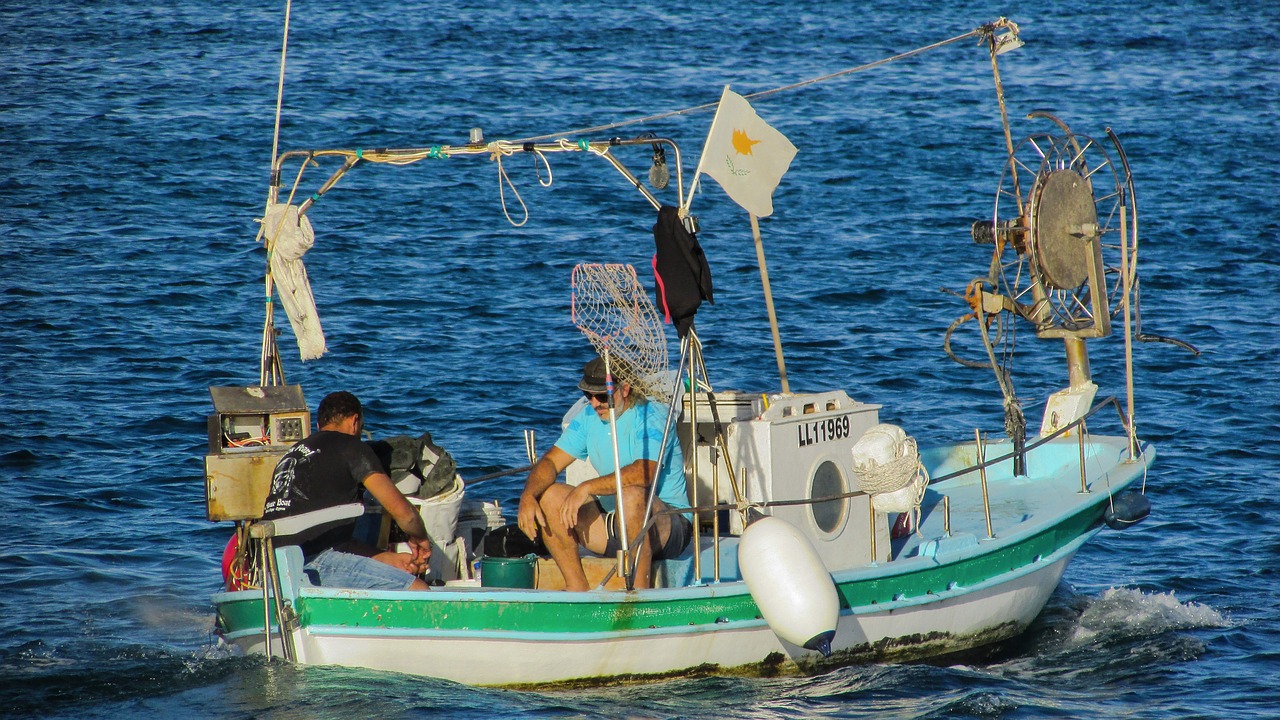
414,562
420,550
530,516
572,503
403,561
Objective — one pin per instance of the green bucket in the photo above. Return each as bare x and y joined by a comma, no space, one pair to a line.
508,572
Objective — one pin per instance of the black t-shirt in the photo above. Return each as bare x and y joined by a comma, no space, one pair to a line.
324,470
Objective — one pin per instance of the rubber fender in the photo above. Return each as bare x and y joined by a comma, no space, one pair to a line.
1127,509
789,584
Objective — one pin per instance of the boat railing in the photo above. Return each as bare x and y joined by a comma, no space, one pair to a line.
980,467
1077,423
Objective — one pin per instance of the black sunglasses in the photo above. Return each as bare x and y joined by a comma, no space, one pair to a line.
601,398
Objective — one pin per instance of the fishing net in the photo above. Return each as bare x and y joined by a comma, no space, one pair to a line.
617,316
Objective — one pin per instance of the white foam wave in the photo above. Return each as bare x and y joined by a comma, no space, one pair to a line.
1129,612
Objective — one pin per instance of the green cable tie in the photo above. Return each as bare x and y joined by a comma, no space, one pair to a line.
315,197
435,152
359,153
583,145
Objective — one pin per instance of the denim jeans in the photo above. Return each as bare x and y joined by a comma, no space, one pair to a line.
338,569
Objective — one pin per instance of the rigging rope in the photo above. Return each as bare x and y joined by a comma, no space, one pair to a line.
270,367
977,32
501,148
284,49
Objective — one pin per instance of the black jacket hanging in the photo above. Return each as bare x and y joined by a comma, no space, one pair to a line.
681,270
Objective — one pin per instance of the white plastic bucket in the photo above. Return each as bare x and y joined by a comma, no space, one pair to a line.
440,515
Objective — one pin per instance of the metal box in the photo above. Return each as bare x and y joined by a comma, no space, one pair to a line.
249,431
801,448
708,471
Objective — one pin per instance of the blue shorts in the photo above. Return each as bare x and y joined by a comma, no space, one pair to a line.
343,570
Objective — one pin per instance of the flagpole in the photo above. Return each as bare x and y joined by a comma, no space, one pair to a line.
768,302
693,185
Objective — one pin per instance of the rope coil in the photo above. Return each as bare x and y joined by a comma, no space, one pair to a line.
891,476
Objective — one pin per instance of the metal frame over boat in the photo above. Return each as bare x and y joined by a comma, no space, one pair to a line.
992,529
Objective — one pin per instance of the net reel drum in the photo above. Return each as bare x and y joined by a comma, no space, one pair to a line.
1064,259
1060,250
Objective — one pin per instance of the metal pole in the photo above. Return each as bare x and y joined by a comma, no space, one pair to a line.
1128,332
1078,373
982,475
713,451
286,638
768,302
1084,486
693,426
625,554
265,548
1004,121
946,516
871,510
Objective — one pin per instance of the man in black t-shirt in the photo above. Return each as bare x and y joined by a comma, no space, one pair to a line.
333,467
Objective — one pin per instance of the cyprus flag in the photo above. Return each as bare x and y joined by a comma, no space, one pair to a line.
745,155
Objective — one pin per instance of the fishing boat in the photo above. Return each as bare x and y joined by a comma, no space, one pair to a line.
821,535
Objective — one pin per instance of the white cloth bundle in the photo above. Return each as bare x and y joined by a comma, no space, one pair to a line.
289,237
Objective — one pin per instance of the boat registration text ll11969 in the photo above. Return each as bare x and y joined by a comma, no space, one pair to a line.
818,431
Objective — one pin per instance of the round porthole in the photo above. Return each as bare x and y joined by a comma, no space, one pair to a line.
827,481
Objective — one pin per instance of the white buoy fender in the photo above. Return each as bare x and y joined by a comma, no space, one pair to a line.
789,584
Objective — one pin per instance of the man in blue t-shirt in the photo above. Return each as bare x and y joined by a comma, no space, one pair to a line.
586,514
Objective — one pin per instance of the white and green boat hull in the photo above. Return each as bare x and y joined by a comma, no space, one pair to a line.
939,594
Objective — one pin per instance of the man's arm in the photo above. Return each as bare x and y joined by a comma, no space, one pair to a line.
542,476
637,474
395,504
402,511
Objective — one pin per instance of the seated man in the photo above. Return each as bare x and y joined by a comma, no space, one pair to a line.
586,514
331,468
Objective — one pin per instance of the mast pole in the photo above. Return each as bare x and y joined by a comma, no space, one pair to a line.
768,302
270,369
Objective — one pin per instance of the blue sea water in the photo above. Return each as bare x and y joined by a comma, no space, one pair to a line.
135,139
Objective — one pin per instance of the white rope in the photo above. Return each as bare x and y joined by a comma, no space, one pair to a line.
505,179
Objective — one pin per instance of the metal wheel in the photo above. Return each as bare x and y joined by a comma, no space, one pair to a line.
1058,229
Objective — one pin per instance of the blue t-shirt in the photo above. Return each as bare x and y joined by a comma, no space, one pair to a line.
639,437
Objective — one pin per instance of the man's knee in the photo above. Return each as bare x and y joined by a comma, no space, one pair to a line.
635,498
553,498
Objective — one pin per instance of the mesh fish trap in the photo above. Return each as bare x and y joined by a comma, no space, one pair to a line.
617,316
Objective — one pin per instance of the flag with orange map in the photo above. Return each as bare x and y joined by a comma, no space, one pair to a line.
745,155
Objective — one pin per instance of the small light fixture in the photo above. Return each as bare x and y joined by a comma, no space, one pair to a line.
1006,42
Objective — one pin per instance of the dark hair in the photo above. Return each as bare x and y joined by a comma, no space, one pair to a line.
336,406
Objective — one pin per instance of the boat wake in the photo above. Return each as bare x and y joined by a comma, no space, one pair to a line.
1130,613
1091,639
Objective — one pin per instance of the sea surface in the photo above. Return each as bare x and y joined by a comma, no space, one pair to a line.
135,142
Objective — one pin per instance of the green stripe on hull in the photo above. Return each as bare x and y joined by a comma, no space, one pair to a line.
539,616
972,572
558,613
